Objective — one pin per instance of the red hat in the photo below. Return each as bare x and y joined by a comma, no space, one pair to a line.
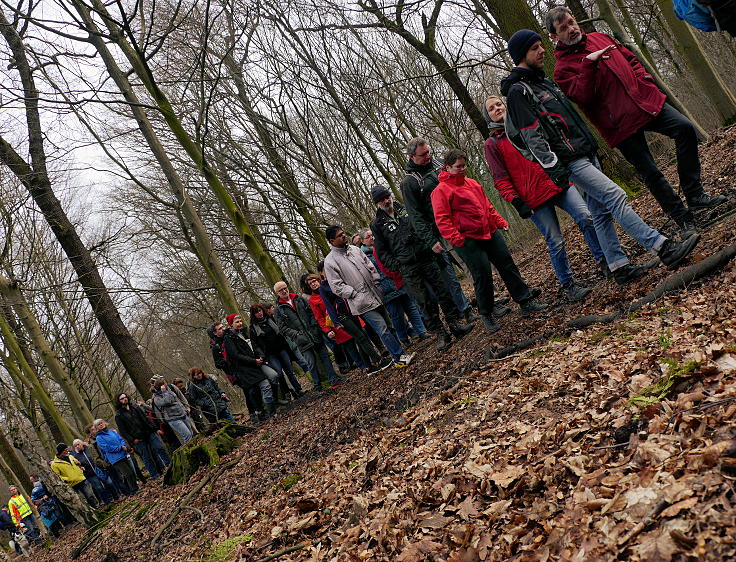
230,318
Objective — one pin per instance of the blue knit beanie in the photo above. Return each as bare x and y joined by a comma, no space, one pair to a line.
520,43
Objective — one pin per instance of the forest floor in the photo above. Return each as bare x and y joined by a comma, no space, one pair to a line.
563,451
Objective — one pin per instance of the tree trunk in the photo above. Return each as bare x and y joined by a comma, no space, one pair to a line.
623,37
15,299
30,380
202,244
35,178
268,267
709,80
636,36
581,15
16,466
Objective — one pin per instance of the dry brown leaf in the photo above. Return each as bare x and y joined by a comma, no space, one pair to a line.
505,477
676,508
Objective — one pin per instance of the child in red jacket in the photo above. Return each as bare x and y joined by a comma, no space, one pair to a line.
466,218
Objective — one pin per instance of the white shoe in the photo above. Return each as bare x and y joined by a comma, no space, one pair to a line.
404,360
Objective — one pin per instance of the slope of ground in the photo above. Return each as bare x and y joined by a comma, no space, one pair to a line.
563,451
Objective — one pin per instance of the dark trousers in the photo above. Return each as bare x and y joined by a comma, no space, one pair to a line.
670,123
126,476
478,255
84,490
424,281
351,324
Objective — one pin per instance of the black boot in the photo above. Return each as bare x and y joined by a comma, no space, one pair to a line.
672,253
444,341
459,331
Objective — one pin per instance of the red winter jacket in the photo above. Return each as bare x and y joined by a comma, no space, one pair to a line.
320,314
617,94
514,175
462,210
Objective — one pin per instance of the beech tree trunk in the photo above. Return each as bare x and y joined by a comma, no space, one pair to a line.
36,180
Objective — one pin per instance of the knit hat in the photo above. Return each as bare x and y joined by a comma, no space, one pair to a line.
60,448
520,43
230,318
379,193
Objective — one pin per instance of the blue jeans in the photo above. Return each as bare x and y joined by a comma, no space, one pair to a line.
606,201
281,362
378,318
399,309
153,453
181,428
311,358
104,490
545,219
453,284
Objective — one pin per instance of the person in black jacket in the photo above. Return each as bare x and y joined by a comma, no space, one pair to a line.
399,249
206,395
244,364
270,344
141,434
420,180
216,332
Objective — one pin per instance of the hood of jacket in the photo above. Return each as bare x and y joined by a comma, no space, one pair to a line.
452,179
517,75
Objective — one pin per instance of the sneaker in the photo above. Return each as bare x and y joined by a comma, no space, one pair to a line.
687,229
499,311
672,253
460,330
628,273
575,292
531,306
404,360
490,324
706,201
604,269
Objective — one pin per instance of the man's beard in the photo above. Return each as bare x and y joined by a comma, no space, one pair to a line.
572,42
389,208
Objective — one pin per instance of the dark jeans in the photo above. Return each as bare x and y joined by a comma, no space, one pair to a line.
402,307
281,362
311,356
126,477
84,490
670,123
423,280
351,324
478,255
104,491
153,454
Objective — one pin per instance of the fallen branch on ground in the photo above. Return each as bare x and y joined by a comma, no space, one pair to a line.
288,550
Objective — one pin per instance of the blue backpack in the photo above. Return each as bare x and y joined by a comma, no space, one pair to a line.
695,14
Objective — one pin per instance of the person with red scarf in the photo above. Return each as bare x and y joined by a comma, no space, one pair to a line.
468,220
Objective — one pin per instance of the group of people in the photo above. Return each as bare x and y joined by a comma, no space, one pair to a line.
378,293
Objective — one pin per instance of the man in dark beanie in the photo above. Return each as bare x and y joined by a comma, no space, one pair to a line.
544,126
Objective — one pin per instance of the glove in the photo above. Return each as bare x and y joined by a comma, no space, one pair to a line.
562,179
524,210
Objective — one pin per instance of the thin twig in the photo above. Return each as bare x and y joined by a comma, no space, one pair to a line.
288,550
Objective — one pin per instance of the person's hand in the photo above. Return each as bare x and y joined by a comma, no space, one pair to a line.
331,335
189,411
138,403
506,228
601,54
160,432
224,396
438,248
136,441
259,361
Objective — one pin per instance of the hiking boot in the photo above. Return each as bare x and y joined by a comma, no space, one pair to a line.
499,311
424,336
459,330
384,363
469,316
404,360
706,201
503,300
531,306
687,228
490,324
604,269
575,292
444,341
406,343
628,273
534,292
672,253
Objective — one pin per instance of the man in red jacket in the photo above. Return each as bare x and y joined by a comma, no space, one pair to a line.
620,98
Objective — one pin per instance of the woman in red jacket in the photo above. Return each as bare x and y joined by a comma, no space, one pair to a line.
466,218
530,190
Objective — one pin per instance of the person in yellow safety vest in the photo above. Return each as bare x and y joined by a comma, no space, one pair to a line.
20,511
